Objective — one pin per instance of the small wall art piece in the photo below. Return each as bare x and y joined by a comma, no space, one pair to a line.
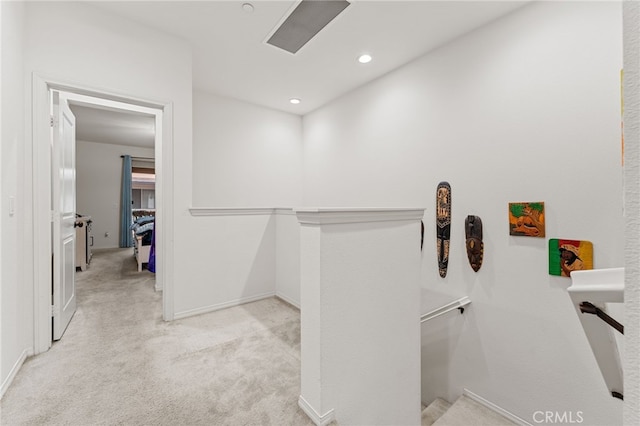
443,226
527,219
566,256
475,246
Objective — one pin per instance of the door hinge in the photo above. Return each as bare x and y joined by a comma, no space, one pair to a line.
51,120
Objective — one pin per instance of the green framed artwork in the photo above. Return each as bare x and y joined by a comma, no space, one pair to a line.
566,256
527,219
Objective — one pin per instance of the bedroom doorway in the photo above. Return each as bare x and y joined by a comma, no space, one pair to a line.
111,195
115,181
161,114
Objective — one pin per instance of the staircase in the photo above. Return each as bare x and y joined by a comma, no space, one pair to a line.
463,412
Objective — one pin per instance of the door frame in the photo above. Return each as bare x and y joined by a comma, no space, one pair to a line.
41,193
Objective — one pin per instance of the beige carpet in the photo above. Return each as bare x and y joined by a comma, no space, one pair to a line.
120,363
434,411
467,412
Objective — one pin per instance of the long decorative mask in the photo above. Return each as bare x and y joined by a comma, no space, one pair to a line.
443,226
475,246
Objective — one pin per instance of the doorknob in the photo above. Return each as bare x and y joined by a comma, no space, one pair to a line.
78,224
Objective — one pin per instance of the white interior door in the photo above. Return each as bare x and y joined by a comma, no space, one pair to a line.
63,155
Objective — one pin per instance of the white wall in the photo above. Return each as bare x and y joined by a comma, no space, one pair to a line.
82,45
98,187
288,256
241,255
231,259
631,11
245,155
525,109
14,291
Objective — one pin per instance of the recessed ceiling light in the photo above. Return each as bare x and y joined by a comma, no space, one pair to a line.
294,101
364,59
247,7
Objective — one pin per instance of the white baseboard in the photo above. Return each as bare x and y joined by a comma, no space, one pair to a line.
217,307
288,300
319,420
14,371
491,406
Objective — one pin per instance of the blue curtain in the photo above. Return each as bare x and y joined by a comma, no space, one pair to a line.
126,239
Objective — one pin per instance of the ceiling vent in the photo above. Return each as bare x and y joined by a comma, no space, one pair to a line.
304,22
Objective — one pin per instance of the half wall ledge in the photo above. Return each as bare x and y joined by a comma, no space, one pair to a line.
332,216
319,216
231,211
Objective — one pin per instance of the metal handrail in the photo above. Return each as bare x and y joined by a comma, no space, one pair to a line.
590,308
456,304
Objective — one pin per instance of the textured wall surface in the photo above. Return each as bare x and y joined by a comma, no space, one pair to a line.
631,13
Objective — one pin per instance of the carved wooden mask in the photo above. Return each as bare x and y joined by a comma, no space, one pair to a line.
475,246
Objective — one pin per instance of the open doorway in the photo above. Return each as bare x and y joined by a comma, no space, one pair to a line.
113,143
103,138
44,187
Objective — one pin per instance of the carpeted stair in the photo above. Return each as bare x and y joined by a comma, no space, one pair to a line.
463,412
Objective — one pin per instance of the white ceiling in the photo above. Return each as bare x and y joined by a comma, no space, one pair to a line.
96,124
231,58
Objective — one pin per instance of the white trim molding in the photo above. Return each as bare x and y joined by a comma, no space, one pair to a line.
286,211
319,420
230,211
493,407
219,306
39,171
334,216
288,300
14,371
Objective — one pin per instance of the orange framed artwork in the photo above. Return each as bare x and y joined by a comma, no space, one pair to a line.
527,219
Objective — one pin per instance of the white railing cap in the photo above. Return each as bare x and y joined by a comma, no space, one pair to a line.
342,215
598,285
